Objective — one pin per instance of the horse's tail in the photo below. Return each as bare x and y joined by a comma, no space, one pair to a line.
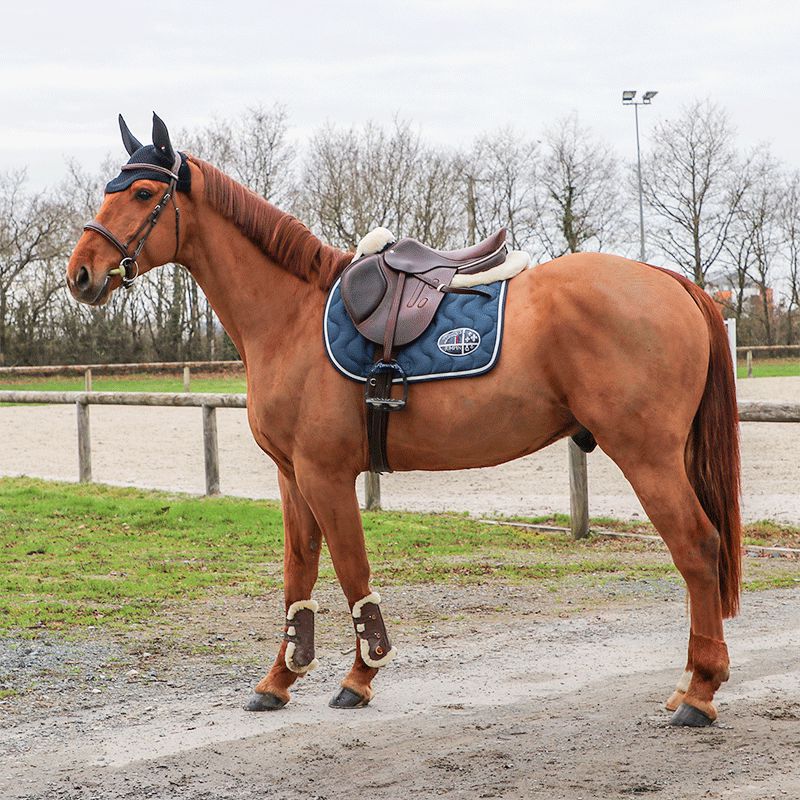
712,450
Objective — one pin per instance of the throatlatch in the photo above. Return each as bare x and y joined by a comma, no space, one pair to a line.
299,636
374,645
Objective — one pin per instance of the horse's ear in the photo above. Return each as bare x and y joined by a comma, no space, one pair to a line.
161,138
132,144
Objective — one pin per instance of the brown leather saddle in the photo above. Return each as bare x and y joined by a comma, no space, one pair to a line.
392,297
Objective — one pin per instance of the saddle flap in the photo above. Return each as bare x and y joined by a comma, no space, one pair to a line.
364,285
418,306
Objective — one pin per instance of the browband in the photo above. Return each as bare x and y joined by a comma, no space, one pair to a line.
150,168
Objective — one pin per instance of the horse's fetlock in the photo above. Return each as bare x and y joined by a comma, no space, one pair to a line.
710,666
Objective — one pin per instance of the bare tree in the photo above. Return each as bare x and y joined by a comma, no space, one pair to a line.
499,175
437,215
789,222
579,201
355,180
754,237
31,234
253,148
693,184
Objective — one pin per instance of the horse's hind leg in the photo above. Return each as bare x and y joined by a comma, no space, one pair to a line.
302,542
673,507
335,505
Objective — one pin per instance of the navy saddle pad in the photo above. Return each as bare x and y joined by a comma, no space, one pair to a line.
463,340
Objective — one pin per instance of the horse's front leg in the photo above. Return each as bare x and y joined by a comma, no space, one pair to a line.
302,540
335,505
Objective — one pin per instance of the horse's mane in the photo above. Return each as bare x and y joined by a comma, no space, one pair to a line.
277,234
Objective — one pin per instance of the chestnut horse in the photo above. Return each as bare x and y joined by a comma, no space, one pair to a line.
635,354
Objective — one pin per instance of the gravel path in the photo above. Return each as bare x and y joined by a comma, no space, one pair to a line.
162,448
501,695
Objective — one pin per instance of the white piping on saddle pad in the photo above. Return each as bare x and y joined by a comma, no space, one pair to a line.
373,242
516,261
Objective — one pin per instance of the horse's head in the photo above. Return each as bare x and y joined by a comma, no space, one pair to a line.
124,240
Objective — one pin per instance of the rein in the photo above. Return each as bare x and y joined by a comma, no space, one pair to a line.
128,267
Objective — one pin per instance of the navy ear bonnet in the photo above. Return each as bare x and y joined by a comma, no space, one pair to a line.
149,154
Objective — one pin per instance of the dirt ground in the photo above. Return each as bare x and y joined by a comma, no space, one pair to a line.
162,448
504,692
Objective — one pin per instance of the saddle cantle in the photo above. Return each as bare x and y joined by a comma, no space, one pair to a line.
392,296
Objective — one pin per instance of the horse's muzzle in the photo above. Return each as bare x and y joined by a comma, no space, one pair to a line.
86,288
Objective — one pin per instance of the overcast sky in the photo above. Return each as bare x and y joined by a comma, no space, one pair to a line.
455,68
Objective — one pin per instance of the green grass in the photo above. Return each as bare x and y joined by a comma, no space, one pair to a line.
73,555
770,367
131,383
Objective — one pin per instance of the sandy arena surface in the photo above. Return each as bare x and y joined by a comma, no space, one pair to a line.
504,691
502,695
162,448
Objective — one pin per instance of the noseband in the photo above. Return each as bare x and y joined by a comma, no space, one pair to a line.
128,267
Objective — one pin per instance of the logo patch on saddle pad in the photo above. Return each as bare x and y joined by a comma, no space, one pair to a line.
459,342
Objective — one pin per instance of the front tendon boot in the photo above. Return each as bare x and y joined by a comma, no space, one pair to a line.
299,635
373,641
374,650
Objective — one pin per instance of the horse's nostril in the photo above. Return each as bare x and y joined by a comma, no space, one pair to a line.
83,279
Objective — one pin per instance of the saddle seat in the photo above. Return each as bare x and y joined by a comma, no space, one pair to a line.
393,295
411,256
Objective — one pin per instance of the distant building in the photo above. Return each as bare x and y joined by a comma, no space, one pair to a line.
751,300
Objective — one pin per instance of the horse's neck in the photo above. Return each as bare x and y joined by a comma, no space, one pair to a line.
256,300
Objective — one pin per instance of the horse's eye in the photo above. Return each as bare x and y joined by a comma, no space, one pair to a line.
143,194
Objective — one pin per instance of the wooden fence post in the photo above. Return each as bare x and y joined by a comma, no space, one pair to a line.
211,449
749,363
87,380
372,491
578,491
187,378
84,443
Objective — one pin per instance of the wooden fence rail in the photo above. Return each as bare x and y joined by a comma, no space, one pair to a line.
122,369
766,348
749,411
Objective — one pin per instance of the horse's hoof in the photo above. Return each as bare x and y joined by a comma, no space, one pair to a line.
347,698
690,717
264,702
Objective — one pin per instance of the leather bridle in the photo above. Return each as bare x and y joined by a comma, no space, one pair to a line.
128,267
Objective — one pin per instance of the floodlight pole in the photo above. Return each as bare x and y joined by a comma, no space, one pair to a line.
628,99
642,256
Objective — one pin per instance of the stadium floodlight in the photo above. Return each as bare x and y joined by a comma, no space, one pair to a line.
629,99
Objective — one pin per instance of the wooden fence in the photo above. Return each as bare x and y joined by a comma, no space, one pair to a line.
749,411
158,367
764,349
209,403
